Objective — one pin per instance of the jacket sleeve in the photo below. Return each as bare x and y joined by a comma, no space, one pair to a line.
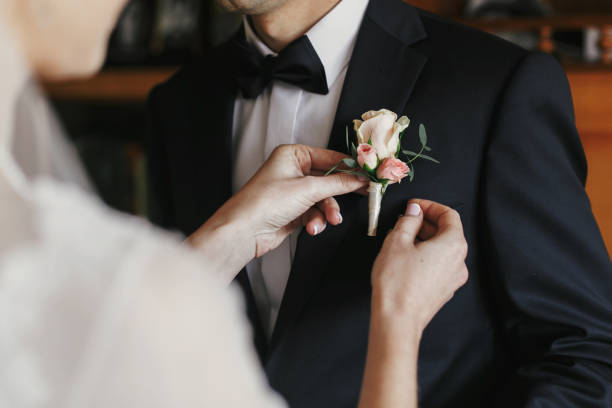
159,192
549,272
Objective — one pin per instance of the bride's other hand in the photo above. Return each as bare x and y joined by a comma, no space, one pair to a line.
288,191
421,264
419,268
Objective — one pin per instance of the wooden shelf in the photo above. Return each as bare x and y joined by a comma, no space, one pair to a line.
574,21
591,90
113,85
572,67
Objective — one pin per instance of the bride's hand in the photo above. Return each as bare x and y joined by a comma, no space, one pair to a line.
287,192
420,266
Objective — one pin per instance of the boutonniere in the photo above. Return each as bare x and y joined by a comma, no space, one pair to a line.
379,156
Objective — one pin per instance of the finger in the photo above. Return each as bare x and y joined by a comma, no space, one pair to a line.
314,221
410,224
323,159
321,188
428,230
318,173
464,275
292,226
302,160
330,208
363,190
444,218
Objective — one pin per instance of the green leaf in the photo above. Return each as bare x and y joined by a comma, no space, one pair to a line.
347,140
385,184
354,172
426,157
427,148
411,173
399,145
359,173
330,171
420,156
410,153
353,151
369,170
423,134
350,163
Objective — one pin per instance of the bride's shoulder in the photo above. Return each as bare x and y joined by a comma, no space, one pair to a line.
67,216
94,280
76,233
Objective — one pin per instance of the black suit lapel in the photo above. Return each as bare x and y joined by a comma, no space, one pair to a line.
216,119
383,68
208,152
381,74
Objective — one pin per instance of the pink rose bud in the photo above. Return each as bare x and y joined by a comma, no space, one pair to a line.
366,154
393,170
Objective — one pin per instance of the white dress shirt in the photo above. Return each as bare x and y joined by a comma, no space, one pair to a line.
285,114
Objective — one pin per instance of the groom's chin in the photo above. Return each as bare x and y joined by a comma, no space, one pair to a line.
250,7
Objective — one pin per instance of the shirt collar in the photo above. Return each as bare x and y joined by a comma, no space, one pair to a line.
333,37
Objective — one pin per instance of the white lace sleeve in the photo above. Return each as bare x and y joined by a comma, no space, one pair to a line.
104,311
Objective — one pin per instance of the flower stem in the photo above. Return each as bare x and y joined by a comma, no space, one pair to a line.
418,155
374,203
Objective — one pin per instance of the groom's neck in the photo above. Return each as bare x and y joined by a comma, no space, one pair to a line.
279,27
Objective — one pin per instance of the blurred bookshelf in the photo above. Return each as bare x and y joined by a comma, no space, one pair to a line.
112,85
105,114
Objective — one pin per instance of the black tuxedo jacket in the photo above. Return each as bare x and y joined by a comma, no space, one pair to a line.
533,325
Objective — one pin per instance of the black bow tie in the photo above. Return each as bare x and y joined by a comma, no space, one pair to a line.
297,64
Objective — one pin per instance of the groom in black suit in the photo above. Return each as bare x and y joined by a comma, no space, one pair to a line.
533,325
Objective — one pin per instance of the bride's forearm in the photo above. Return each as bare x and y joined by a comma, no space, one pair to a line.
225,244
390,378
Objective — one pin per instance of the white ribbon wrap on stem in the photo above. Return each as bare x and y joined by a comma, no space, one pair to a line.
375,199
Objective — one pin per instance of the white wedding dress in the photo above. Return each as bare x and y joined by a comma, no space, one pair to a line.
99,309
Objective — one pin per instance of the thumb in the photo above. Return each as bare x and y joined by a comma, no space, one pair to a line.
410,224
333,185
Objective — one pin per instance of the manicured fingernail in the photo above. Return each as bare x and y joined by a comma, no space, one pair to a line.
414,210
315,229
339,217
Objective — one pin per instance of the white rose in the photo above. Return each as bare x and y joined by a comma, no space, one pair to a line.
382,129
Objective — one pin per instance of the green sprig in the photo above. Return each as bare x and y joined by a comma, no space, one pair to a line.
419,155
